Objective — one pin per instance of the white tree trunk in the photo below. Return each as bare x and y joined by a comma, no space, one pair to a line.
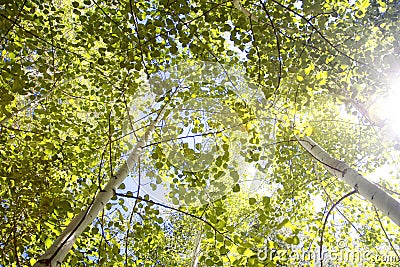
197,249
379,198
57,252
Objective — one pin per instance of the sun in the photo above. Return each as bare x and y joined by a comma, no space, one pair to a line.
385,111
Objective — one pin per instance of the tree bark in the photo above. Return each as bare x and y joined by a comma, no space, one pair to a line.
57,252
379,198
197,249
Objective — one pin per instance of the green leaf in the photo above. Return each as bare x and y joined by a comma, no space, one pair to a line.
236,188
209,262
235,176
122,186
101,61
266,201
48,242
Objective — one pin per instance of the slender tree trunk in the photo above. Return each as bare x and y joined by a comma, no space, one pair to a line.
57,252
379,198
197,249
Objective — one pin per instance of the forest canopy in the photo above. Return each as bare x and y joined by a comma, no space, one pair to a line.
174,133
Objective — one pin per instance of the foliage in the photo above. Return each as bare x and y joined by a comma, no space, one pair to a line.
79,85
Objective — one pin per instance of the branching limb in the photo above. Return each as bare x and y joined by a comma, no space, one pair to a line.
326,219
178,210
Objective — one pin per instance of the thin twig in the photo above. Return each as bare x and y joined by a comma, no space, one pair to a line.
326,219
384,231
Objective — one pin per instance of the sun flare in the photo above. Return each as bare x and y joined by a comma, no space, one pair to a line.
387,109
